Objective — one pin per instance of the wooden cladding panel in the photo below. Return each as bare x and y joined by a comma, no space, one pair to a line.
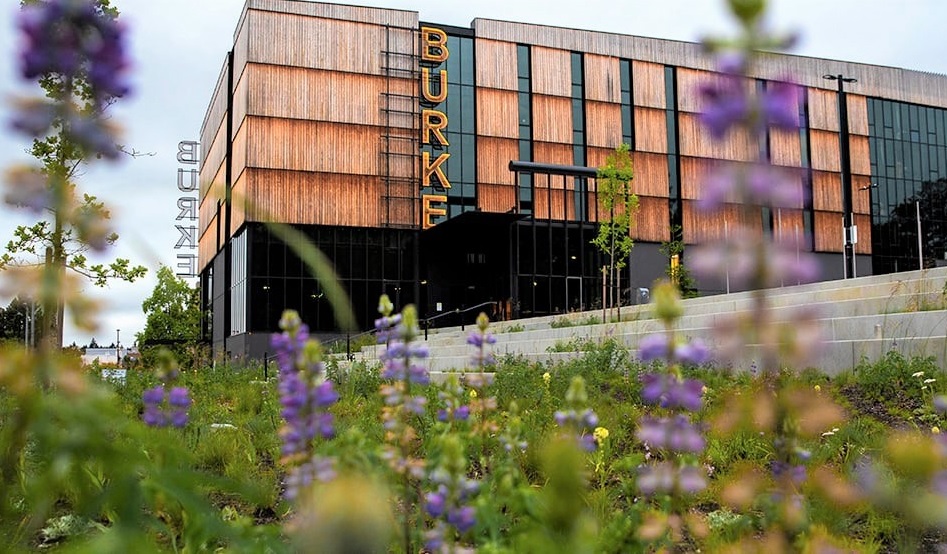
694,173
688,88
241,99
313,146
493,160
239,152
863,222
826,191
828,231
702,227
552,119
238,203
651,133
648,83
299,93
287,39
314,198
550,71
785,148
552,153
602,124
497,113
552,197
496,64
823,109
207,245
857,114
496,198
214,159
825,150
602,79
789,225
216,113
695,141
205,211
859,154
652,221
861,194
651,175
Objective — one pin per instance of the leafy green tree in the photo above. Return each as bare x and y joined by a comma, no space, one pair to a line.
72,225
620,205
174,316
14,321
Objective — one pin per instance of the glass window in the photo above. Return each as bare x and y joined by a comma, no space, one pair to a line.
467,75
522,60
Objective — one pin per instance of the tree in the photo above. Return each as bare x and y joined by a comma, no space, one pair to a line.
173,314
16,319
69,129
620,204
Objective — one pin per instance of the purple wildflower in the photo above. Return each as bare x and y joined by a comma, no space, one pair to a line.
164,408
73,39
653,347
725,104
668,391
676,434
462,518
305,396
780,105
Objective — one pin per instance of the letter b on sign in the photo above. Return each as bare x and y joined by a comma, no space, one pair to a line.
188,152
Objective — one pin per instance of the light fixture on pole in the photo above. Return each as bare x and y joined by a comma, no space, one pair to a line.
848,244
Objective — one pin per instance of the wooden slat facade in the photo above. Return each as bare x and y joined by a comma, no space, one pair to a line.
320,95
785,147
823,109
207,244
859,154
301,145
651,174
497,113
496,64
288,196
550,74
496,198
652,221
694,173
602,79
316,42
651,130
552,153
826,191
857,114
828,232
702,227
689,82
238,203
695,141
552,119
863,222
825,150
648,84
493,158
602,124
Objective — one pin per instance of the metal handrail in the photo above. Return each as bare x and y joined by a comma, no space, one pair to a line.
457,311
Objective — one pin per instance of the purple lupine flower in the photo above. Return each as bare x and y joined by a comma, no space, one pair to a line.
676,434
695,352
668,391
780,105
434,502
462,518
725,104
178,397
164,408
655,478
691,479
66,36
324,394
653,347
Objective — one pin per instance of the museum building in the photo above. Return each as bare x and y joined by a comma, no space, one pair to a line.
449,166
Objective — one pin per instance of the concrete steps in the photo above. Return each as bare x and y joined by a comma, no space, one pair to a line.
862,317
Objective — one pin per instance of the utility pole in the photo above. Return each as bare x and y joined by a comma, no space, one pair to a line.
848,245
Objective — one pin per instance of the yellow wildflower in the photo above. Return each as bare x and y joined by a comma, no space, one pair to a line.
473,393
600,434
935,430
818,388
546,378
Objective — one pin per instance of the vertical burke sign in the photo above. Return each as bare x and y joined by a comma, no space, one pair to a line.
188,183
433,123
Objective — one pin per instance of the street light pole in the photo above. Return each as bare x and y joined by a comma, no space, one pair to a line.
848,252
118,348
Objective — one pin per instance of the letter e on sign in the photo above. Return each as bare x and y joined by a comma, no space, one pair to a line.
431,212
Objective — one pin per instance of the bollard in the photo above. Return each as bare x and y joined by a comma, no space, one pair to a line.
266,366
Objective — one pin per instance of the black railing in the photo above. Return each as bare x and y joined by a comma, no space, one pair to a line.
426,323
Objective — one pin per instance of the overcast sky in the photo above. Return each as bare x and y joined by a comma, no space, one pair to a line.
178,47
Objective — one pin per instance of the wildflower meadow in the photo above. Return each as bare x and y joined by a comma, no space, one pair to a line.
670,445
